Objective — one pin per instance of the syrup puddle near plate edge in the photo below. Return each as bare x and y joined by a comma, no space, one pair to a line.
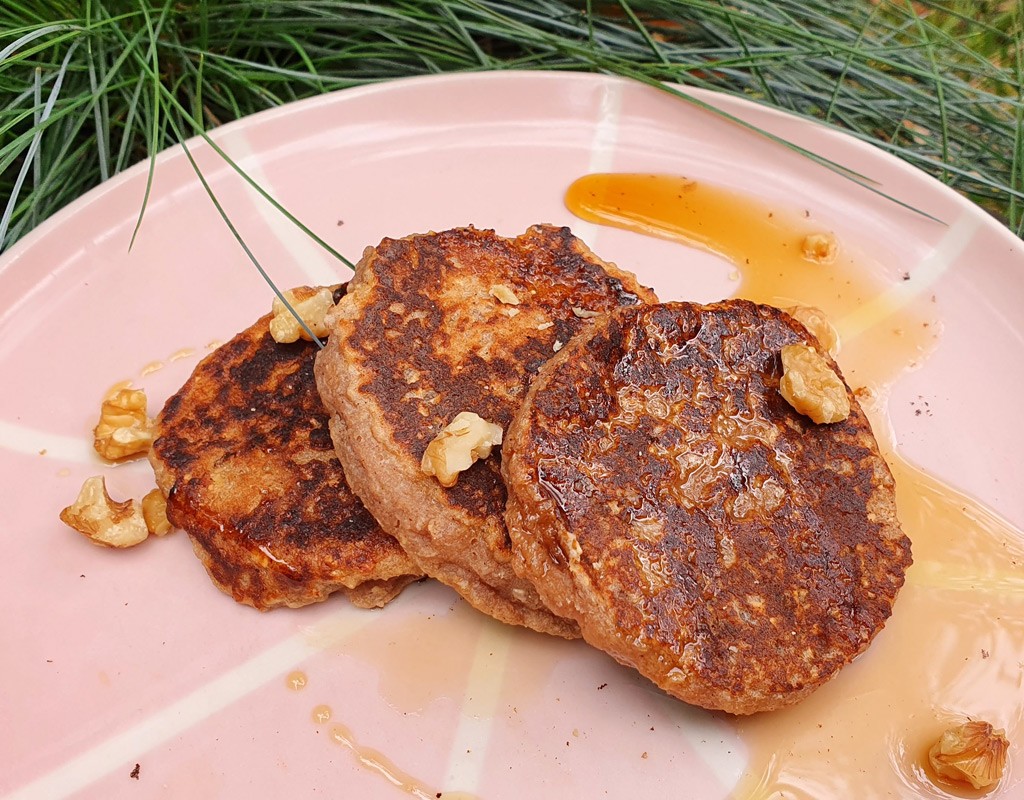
954,646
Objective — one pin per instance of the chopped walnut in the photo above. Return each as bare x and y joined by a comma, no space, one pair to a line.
811,386
466,439
817,323
504,294
820,247
124,429
584,313
971,753
104,521
154,512
311,305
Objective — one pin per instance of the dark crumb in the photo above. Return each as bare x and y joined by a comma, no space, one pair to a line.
437,795
134,773
340,223
807,213
917,412
984,653
906,276
599,688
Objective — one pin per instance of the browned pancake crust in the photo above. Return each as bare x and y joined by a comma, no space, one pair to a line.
663,494
244,456
419,338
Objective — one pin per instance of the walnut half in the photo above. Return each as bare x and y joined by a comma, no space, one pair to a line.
154,512
124,429
103,520
312,305
973,753
820,247
811,386
466,439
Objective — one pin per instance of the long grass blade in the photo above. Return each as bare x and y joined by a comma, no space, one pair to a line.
5,220
245,247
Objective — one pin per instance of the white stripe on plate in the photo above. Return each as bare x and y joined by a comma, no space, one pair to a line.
484,683
23,439
204,702
602,150
924,275
320,268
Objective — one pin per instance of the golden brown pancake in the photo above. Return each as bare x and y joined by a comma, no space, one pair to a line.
434,325
665,496
245,459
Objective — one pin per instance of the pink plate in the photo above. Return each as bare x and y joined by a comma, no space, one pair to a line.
117,659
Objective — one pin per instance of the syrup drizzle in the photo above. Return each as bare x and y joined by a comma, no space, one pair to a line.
954,647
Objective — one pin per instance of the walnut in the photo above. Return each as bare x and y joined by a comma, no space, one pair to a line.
504,294
124,429
820,247
104,521
817,323
971,753
465,439
154,512
811,386
312,305
583,313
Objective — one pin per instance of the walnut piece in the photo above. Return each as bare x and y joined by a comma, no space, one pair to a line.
811,386
104,521
311,305
124,429
971,753
817,323
466,439
154,512
821,248
583,313
504,294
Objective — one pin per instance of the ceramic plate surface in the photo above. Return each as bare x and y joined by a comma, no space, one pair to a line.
112,659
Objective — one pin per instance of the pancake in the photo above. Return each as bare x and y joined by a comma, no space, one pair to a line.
438,324
244,457
665,496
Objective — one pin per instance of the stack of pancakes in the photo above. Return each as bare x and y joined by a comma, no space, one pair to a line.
654,492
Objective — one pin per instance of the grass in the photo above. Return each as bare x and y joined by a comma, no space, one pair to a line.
90,88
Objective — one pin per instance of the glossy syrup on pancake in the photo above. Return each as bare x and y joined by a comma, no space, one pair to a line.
664,495
244,456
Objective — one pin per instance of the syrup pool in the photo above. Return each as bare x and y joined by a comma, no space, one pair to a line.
954,646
